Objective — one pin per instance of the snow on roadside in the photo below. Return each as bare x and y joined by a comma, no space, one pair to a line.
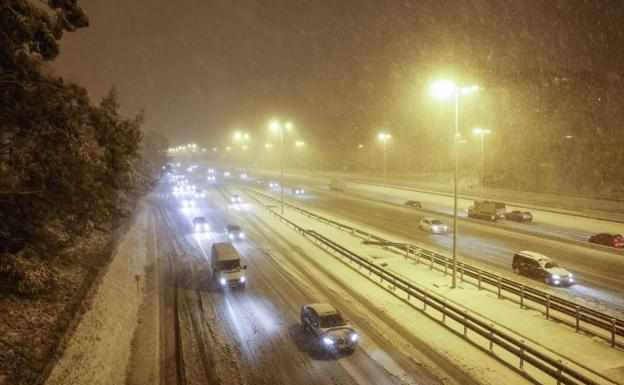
606,301
457,351
595,354
99,349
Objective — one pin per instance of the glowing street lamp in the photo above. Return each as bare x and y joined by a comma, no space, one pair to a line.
275,126
383,137
446,90
482,132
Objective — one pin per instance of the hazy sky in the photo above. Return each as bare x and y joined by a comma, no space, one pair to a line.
203,67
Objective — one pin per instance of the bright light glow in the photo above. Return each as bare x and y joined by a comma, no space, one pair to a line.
354,337
268,146
223,282
228,148
237,136
328,341
300,143
383,136
274,126
242,279
443,89
246,136
288,125
480,131
360,146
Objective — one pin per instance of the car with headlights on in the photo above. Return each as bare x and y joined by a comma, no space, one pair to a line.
234,232
540,267
328,328
243,175
415,204
235,199
605,239
211,178
519,216
273,184
432,225
298,191
200,225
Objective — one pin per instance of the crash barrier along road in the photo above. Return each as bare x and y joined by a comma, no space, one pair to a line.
580,317
466,325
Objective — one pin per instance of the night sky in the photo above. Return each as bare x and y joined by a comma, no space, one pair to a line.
202,68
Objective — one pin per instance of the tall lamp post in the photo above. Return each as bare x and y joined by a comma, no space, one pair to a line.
445,90
275,126
383,137
482,132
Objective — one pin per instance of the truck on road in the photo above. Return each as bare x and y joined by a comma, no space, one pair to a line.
488,210
336,184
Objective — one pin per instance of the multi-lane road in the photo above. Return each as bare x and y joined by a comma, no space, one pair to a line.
562,236
253,335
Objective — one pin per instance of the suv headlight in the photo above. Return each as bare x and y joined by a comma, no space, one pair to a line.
242,279
555,276
223,282
231,236
353,337
328,341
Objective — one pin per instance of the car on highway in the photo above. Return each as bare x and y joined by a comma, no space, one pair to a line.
188,203
540,267
211,171
298,191
328,328
415,204
200,225
519,216
243,175
605,239
235,199
273,184
200,193
432,225
234,232
226,173
227,266
211,178
260,181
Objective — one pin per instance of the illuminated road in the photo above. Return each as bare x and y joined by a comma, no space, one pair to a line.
598,273
253,336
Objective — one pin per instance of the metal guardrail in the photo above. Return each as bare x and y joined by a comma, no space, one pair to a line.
580,317
550,366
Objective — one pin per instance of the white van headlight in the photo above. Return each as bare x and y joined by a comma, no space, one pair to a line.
555,276
242,279
223,282
242,235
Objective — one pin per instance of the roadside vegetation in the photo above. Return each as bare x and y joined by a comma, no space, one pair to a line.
71,171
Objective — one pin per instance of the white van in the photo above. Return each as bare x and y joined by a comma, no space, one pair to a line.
227,266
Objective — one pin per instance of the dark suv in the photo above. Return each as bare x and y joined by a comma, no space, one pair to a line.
540,267
325,324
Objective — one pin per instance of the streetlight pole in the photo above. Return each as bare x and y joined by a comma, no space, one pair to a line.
482,132
445,89
384,138
456,137
282,169
280,126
